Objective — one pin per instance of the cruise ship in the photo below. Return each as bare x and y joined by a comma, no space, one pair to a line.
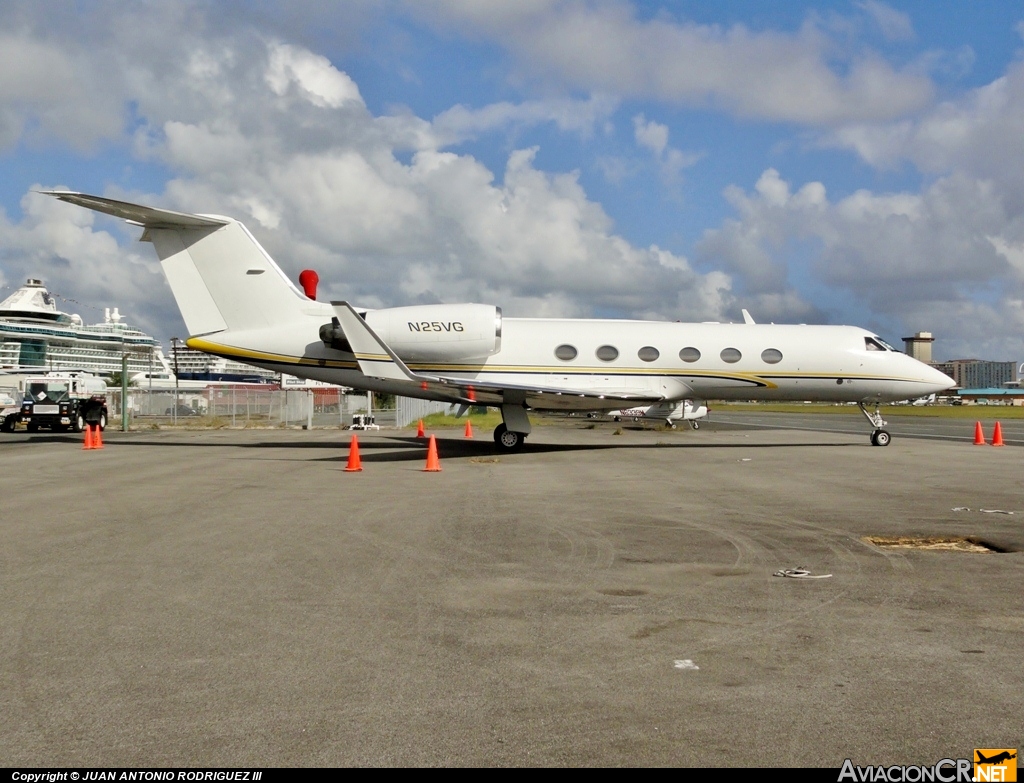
35,334
193,365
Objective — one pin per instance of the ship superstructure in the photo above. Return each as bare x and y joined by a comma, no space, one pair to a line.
35,334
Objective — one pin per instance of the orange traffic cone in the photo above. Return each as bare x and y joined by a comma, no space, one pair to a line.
97,438
87,444
433,463
997,436
419,430
355,464
979,436
469,429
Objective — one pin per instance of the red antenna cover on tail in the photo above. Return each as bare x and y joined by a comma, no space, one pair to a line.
308,279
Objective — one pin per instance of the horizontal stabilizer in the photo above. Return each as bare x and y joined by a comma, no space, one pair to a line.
150,217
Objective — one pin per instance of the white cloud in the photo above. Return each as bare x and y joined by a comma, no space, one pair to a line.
654,137
915,260
604,46
460,123
978,133
47,93
894,25
322,83
278,136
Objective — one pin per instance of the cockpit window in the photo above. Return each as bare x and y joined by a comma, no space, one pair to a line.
886,345
874,344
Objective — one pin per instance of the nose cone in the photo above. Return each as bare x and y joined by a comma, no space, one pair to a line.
938,381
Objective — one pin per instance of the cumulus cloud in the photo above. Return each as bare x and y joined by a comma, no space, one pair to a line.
604,46
977,133
278,136
654,137
915,259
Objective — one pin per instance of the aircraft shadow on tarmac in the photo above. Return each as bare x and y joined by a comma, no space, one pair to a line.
412,449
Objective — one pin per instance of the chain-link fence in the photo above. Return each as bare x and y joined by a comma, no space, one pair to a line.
253,406
240,406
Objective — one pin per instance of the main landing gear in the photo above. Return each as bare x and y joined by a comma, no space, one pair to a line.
515,426
508,440
879,437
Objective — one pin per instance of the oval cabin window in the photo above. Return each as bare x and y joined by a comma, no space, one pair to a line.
566,353
731,355
607,353
771,356
689,354
648,353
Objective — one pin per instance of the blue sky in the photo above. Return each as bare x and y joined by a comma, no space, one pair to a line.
845,162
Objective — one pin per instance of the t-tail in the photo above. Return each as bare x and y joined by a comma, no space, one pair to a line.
221,278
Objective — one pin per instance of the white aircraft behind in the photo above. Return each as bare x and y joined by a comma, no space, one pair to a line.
668,412
237,303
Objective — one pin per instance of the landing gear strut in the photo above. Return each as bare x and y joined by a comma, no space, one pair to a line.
879,437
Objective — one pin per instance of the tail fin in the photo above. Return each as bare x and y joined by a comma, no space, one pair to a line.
221,278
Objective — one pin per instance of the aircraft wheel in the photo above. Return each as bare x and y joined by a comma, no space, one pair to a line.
880,438
694,424
508,440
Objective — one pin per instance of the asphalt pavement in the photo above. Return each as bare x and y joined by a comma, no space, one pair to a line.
235,598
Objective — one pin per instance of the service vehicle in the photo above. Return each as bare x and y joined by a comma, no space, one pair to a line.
64,400
361,421
10,408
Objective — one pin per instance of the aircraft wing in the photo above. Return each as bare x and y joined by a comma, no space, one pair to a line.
377,360
150,217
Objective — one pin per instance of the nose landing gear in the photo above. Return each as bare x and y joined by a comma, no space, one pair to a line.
879,437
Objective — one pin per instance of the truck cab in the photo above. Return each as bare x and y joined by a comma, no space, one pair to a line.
63,401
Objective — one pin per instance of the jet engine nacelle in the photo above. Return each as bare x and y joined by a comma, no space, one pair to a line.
439,332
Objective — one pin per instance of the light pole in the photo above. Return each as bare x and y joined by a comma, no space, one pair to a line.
174,352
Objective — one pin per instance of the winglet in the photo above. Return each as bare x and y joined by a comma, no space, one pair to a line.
375,358
747,319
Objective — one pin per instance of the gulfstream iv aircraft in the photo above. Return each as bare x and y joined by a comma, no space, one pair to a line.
237,303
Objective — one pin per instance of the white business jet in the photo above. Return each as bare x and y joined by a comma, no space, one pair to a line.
668,412
237,303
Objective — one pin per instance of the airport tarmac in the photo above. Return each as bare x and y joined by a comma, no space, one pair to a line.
232,597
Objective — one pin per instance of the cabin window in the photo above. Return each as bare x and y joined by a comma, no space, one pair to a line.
607,353
648,353
689,354
871,344
771,356
566,353
730,355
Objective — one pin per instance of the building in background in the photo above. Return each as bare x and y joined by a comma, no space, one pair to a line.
920,346
978,374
